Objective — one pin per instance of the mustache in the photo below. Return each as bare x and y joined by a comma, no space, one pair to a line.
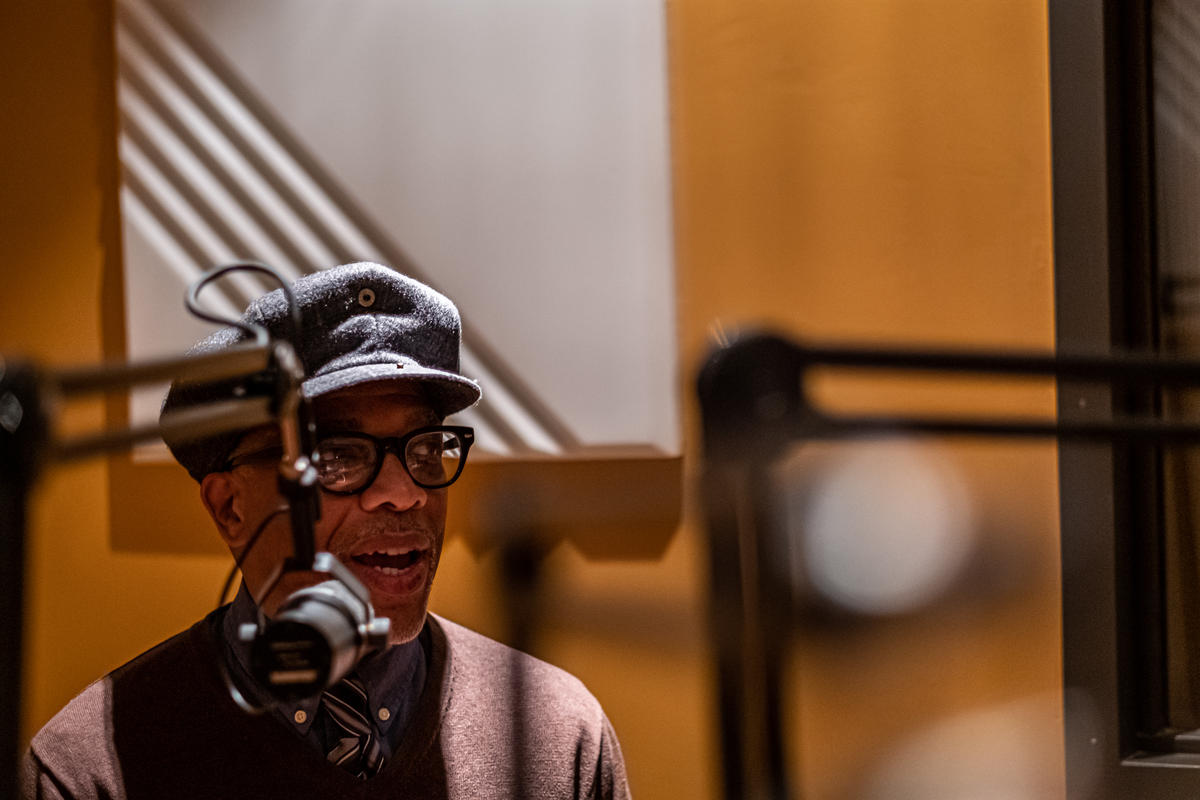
403,522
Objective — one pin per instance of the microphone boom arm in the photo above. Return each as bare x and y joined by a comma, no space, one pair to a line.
755,403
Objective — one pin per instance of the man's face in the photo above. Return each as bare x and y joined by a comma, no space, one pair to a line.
389,534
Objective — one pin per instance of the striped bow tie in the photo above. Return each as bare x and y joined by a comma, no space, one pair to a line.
357,748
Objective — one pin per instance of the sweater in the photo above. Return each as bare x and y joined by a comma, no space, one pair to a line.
491,723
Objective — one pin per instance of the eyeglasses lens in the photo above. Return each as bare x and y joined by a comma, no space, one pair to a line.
433,457
345,464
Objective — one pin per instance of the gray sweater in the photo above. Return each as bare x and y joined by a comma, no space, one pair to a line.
163,726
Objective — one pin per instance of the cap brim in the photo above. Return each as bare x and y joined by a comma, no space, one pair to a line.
449,392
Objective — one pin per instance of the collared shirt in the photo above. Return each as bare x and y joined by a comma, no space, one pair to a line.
393,679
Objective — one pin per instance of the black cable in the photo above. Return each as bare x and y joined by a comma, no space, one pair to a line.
237,564
260,334
234,692
261,337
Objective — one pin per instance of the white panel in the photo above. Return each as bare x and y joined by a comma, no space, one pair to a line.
516,153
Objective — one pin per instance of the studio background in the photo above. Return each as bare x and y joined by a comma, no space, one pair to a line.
875,171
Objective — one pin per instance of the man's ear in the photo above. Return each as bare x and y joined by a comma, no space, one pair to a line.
222,497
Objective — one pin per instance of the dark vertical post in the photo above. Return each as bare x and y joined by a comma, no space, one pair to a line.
522,551
22,437
1106,297
748,396
776,623
726,623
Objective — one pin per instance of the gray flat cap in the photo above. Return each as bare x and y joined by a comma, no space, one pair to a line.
362,323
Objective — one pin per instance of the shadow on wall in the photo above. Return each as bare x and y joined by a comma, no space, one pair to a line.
618,509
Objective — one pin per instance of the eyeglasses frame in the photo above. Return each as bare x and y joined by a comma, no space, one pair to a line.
395,445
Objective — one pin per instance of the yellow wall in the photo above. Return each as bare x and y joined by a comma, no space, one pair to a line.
875,170
89,608
879,171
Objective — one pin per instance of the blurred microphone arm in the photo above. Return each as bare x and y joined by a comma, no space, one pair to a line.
29,398
755,405
754,394
297,472
270,395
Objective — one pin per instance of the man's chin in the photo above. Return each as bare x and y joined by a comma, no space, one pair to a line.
407,617
406,626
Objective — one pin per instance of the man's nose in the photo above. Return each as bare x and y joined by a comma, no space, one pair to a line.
393,488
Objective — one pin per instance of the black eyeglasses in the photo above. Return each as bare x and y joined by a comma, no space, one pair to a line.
347,463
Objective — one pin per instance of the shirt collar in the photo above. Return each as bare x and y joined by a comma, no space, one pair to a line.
393,677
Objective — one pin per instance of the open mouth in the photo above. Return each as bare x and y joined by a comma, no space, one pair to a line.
389,563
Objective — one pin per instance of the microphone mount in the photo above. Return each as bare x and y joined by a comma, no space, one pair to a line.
29,398
755,405
317,635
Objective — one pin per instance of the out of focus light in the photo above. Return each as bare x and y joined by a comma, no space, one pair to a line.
1007,751
11,412
882,528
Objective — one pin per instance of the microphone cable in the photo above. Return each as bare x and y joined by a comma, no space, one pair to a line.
215,630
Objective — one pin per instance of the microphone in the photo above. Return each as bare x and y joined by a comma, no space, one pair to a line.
318,634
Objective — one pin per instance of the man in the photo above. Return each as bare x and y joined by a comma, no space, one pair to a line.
441,712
